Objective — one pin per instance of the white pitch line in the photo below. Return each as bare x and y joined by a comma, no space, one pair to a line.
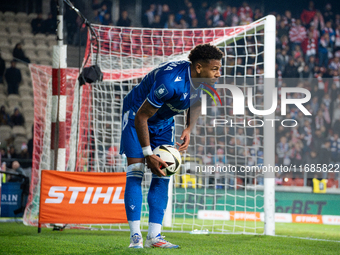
309,238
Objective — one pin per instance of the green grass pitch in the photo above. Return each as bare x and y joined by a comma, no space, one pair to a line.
16,238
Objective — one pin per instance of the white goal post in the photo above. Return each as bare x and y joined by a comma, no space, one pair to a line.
198,201
269,138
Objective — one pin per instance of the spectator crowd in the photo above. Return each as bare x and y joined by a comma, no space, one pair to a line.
307,55
44,26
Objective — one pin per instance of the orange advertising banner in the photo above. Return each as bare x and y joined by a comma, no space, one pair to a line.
82,198
307,218
247,216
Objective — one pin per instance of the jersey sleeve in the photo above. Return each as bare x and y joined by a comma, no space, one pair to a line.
161,91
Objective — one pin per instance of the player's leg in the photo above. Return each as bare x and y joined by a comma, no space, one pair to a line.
157,200
133,199
158,192
134,175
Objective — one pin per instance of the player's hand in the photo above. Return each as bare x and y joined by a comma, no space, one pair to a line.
186,140
154,162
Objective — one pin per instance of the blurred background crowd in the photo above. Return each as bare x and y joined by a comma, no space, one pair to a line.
307,55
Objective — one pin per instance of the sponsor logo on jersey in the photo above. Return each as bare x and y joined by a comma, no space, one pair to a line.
178,79
185,95
161,91
173,108
168,68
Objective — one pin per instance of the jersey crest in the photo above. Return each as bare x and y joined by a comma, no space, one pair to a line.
161,91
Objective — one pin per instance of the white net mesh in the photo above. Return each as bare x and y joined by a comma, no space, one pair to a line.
220,202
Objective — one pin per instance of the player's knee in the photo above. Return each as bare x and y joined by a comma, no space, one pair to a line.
135,170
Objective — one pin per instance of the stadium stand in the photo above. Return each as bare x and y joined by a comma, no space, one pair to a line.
18,131
18,141
298,182
6,133
16,27
288,182
3,97
2,91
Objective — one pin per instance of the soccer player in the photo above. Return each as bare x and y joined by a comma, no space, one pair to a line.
148,122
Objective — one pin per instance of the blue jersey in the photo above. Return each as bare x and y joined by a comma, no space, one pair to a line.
168,88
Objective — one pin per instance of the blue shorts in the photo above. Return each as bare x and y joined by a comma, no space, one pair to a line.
159,135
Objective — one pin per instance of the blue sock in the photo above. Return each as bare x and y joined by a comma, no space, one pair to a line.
158,198
133,196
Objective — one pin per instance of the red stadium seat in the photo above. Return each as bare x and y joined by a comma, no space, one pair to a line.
168,50
198,40
167,33
208,33
188,33
157,41
287,182
158,33
188,42
167,40
146,33
240,184
137,32
298,182
198,33
147,50
126,39
158,50
219,33
147,41
331,183
136,39
178,33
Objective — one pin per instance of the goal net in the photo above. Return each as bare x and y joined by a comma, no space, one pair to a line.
203,195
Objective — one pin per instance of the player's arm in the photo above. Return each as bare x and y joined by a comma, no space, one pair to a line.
192,116
145,112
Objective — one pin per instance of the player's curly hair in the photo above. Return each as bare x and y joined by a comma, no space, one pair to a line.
205,52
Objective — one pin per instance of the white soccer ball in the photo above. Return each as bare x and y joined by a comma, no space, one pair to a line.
171,156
